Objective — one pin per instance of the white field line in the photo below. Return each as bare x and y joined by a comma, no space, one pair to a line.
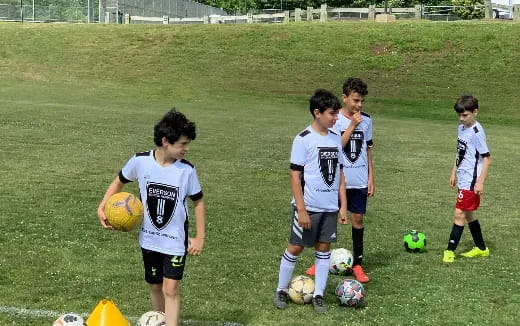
58,105
25,312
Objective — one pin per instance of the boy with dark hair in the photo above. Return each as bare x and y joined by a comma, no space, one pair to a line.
165,180
317,185
355,128
469,171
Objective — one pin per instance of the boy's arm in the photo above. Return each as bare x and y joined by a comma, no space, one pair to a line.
479,186
296,186
197,243
343,218
371,182
453,176
115,187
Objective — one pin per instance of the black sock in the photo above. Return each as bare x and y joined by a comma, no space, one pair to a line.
476,233
357,243
456,233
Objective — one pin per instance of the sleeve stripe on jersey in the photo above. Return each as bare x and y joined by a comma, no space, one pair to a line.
296,167
370,143
485,154
122,178
197,196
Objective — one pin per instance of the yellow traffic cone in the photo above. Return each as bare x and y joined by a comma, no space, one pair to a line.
106,314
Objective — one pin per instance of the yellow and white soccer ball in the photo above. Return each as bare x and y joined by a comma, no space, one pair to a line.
124,211
152,318
301,289
69,319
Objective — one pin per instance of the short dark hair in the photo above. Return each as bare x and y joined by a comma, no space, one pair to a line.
323,100
466,102
355,85
173,125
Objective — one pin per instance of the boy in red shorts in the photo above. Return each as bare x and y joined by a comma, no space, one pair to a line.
470,170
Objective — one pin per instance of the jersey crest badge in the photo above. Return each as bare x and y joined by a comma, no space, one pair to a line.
161,202
328,157
461,151
352,149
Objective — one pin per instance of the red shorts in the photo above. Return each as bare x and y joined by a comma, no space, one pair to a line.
467,200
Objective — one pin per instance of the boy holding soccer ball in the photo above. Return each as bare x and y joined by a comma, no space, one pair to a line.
317,185
165,180
469,172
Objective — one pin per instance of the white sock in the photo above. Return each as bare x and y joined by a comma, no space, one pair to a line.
321,261
286,269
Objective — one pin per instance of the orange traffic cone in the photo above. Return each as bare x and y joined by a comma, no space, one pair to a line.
106,314
310,271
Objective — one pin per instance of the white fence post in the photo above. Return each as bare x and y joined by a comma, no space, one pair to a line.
249,18
516,13
418,12
107,17
323,13
166,20
488,9
287,17
127,19
206,19
309,14
371,12
297,15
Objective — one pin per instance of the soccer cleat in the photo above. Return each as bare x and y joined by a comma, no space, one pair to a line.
359,274
449,256
476,252
319,304
311,271
280,299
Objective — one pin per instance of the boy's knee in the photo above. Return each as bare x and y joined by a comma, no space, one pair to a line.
459,216
357,220
156,287
171,288
294,250
322,246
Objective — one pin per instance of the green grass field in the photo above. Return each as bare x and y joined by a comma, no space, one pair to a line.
76,101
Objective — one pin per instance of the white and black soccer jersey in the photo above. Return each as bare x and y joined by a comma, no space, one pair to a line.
355,151
163,192
471,148
318,158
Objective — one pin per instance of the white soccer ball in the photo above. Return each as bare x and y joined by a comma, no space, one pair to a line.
152,318
301,289
341,260
69,319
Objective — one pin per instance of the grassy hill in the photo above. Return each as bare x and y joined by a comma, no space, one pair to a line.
407,65
77,100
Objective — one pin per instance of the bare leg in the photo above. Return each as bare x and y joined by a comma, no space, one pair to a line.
172,300
157,297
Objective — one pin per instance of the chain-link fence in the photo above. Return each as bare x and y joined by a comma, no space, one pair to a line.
107,11
171,8
48,13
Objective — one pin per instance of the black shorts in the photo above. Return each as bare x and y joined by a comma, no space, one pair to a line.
158,266
357,200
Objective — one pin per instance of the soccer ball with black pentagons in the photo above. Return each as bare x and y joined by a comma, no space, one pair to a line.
152,318
69,319
414,241
350,293
341,260
124,211
301,289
